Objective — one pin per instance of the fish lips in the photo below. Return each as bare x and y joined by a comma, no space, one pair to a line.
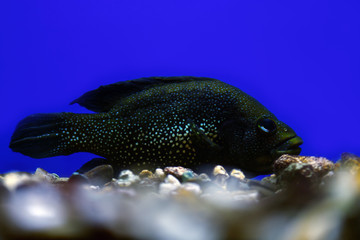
289,146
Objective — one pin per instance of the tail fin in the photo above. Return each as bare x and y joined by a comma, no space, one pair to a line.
39,136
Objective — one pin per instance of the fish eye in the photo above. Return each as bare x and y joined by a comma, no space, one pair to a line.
266,125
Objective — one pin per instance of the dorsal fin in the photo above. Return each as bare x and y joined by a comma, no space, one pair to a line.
105,97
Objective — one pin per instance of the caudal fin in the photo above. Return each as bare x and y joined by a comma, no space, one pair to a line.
38,135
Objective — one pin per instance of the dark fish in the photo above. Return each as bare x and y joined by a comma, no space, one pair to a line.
162,121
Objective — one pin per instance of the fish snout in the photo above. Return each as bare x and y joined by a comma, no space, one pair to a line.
289,146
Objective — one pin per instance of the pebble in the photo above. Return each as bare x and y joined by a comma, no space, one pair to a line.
227,207
146,174
234,184
176,171
212,187
166,189
127,178
172,180
204,178
219,170
192,188
298,175
159,174
100,175
189,176
349,156
44,175
13,179
169,186
78,179
250,196
270,180
220,176
147,184
264,188
350,162
320,165
237,174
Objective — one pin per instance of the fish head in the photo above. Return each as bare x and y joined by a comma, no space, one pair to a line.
254,144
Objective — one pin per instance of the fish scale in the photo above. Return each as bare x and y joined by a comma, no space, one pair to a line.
157,122
158,141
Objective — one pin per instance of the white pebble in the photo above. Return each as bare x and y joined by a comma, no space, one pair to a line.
167,188
159,173
12,180
172,180
192,187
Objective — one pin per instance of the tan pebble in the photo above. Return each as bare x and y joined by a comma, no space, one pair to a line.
145,174
220,176
237,174
219,170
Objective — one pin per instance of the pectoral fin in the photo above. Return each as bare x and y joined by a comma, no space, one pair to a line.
200,139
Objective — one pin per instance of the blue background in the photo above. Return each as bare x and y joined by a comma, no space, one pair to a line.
300,59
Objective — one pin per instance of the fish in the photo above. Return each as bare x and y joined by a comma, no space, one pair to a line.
162,121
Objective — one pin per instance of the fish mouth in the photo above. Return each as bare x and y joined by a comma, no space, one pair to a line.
289,146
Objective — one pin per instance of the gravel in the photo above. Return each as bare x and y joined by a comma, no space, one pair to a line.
305,198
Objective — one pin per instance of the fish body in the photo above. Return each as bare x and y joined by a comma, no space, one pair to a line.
163,121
